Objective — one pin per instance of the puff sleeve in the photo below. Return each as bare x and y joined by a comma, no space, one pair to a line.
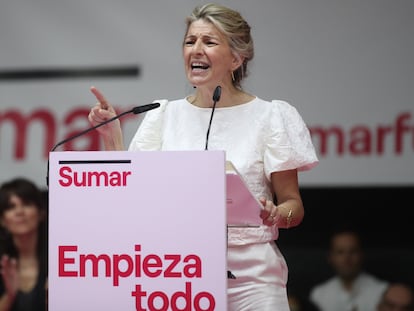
288,145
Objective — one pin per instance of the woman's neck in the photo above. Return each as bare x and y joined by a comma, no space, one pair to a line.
229,97
26,245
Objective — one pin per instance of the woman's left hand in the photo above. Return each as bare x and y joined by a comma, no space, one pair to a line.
269,213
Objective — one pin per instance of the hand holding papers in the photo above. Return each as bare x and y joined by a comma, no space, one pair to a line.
243,208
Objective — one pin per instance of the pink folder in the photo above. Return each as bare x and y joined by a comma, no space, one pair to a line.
243,208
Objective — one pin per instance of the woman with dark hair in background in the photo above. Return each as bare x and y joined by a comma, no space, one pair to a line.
23,247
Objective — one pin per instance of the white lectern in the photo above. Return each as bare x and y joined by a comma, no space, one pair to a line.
137,230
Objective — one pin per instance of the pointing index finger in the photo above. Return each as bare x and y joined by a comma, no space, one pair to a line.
99,96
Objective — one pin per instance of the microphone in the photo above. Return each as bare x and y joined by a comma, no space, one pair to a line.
135,110
216,98
217,94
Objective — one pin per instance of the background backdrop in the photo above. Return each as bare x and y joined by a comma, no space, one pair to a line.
345,65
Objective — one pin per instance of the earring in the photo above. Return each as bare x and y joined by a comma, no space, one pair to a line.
232,76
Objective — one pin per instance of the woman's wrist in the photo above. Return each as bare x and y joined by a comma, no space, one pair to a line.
114,143
285,216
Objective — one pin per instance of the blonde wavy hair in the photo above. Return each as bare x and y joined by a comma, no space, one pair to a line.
234,27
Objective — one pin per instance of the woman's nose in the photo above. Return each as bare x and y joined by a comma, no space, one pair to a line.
198,47
18,208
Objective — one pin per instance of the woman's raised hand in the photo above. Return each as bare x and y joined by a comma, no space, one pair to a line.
102,111
8,271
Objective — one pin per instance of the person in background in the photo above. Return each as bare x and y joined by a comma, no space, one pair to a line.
397,297
351,288
267,141
23,247
299,303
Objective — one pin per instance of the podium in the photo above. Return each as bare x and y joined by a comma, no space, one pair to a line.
137,230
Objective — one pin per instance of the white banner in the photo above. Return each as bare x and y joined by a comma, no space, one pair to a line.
345,65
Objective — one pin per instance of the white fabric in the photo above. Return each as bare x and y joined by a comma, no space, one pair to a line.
259,284
259,137
364,296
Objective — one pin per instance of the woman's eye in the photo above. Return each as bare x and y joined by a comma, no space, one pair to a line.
211,43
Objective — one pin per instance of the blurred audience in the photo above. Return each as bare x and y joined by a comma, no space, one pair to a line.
23,247
298,303
351,288
295,303
397,297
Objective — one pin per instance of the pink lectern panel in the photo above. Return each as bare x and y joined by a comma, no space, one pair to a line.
137,231
243,208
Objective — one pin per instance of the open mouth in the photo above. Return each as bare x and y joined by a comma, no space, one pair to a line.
199,66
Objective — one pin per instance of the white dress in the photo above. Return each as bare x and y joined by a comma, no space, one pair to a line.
259,137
